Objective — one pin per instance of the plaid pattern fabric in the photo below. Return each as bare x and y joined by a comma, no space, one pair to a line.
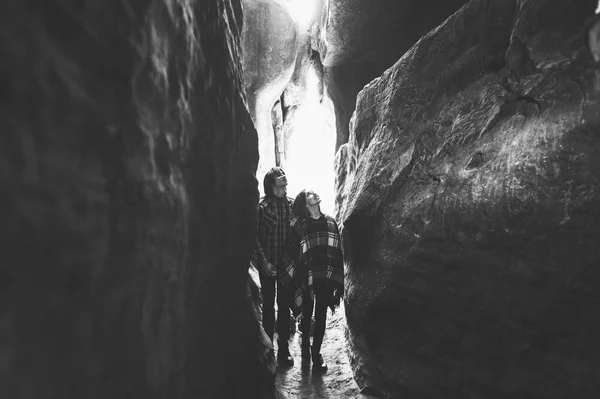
274,215
312,255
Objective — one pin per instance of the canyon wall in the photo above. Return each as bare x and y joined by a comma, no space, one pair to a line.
128,203
269,50
359,39
469,193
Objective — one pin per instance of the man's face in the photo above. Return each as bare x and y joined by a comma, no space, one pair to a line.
279,186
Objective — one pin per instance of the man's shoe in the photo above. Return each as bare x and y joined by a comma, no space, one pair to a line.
284,358
318,363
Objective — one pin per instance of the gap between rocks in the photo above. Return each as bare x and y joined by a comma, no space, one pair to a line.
301,382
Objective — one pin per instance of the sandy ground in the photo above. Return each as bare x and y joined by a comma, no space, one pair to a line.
300,382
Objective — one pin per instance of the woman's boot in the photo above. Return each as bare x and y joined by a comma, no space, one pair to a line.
317,359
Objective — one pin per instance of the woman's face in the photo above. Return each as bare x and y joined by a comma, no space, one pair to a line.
312,202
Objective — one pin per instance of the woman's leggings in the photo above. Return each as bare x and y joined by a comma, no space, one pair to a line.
321,299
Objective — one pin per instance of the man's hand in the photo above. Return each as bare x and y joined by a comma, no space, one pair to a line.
266,268
270,270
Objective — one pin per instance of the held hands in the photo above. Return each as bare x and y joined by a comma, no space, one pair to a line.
270,270
267,268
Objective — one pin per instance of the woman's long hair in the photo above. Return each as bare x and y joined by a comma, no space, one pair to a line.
269,179
299,208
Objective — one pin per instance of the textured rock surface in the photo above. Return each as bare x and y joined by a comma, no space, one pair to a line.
360,39
269,43
127,203
470,192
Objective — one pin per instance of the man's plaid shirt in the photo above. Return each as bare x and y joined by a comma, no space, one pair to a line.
274,216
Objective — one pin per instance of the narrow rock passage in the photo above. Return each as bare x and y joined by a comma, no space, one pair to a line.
300,382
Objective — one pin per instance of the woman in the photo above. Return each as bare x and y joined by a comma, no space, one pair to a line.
312,263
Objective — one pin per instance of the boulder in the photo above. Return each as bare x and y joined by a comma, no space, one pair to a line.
469,196
269,48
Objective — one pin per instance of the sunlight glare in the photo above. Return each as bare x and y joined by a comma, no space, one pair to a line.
302,10
312,147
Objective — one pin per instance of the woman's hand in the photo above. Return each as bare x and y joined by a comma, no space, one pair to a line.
266,268
334,301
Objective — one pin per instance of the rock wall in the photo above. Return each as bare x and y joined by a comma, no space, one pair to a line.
360,39
269,44
470,200
127,203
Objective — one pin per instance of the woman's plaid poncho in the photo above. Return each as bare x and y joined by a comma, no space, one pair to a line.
312,255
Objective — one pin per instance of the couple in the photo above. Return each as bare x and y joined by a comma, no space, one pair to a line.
299,252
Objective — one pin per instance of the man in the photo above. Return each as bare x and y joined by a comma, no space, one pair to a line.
274,216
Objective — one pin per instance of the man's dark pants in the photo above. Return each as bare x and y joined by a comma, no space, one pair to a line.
284,297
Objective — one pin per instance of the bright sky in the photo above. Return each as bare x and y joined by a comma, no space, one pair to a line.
312,147
302,10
